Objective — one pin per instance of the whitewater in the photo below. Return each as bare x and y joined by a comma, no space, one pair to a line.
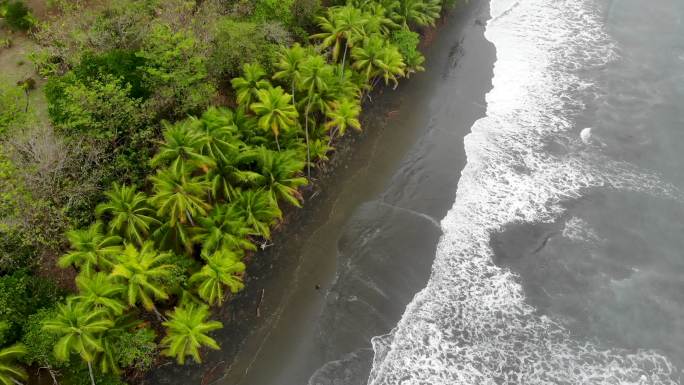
471,324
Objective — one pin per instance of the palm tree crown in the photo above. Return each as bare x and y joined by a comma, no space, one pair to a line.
79,327
142,271
187,332
100,292
130,215
11,372
259,210
223,229
178,196
90,248
181,148
275,111
222,269
251,81
279,173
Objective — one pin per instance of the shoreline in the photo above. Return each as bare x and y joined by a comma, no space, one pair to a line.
262,265
251,315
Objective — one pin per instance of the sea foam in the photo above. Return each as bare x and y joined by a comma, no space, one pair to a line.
471,324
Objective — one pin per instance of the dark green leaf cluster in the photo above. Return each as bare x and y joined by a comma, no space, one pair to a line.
17,15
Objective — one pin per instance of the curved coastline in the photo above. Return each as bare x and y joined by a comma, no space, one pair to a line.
413,135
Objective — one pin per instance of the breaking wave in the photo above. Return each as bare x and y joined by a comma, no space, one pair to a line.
471,324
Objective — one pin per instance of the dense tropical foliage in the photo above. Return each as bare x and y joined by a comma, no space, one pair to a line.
177,133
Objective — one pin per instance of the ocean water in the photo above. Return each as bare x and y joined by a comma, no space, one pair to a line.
562,258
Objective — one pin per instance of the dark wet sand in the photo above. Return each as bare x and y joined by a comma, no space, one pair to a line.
346,267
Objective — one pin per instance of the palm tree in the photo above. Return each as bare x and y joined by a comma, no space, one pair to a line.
289,63
187,332
130,215
107,359
179,197
142,272
378,58
258,209
379,18
99,291
10,372
394,64
419,12
90,248
181,148
279,173
368,57
247,86
317,76
227,175
275,111
223,229
222,269
343,114
220,133
80,330
341,26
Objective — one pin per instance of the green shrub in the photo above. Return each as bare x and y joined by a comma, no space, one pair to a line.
120,64
236,43
102,108
12,104
136,349
17,15
21,295
279,10
40,344
304,13
407,42
175,72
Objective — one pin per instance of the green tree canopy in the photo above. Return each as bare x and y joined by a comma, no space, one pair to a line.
188,331
223,269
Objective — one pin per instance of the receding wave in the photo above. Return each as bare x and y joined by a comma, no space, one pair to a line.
471,324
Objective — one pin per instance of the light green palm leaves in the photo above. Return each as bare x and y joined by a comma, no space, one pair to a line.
275,111
258,209
90,249
343,114
129,213
251,81
142,272
223,229
223,269
342,27
188,331
80,329
178,196
181,148
10,371
378,58
279,173
99,291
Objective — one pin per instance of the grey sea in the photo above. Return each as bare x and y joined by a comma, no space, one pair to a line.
562,259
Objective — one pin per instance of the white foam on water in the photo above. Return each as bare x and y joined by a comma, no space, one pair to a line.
577,229
471,324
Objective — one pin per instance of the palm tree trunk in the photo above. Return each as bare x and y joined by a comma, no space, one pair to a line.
277,143
159,315
90,370
332,135
26,92
306,136
344,56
